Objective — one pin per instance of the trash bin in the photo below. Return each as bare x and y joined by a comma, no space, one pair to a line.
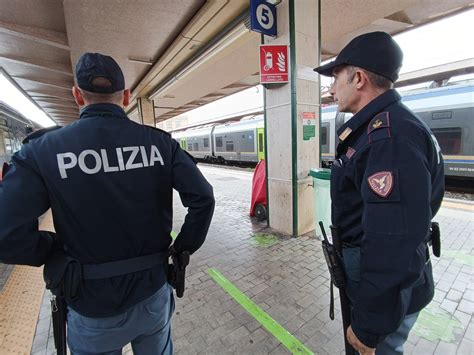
322,198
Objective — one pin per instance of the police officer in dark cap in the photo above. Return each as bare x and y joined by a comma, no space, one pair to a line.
109,182
387,184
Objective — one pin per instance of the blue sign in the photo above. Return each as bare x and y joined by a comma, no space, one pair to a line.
263,17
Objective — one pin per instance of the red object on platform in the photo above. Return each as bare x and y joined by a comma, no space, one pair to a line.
259,188
3,170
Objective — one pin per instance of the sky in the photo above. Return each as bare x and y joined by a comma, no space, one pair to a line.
437,43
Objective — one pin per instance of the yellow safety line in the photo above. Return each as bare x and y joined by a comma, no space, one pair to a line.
458,206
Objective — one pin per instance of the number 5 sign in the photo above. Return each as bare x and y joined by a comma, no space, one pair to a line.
263,17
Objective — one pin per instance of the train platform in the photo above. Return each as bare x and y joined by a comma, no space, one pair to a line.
251,291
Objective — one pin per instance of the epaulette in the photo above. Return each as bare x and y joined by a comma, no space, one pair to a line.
381,120
39,133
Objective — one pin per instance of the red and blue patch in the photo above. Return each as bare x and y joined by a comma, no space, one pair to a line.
381,183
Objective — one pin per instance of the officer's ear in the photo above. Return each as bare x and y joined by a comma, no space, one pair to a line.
76,92
126,97
361,79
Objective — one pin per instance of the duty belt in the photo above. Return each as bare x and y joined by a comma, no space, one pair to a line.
122,267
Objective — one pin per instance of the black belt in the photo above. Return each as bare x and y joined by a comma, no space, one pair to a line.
122,267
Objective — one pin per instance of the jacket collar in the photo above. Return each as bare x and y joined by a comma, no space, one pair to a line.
102,110
367,113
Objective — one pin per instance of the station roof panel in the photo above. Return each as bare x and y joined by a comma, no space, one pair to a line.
158,43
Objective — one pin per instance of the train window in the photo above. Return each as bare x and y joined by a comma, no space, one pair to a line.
206,142
449,140
229,146
442,115
324,136
190,146
260,142
219,142
195,146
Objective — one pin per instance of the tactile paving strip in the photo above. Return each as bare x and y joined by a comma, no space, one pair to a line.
20,302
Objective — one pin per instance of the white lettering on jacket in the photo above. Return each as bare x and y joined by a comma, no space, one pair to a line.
127,158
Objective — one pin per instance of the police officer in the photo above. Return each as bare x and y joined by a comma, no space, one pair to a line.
387,184
109,184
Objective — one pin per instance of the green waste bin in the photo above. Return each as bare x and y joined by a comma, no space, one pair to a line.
322,198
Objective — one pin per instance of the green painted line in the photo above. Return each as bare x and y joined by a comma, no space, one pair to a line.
288,340
435,324
173,235
459,255
264,239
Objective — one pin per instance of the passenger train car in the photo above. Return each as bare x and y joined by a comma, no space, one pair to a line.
235,142
447,110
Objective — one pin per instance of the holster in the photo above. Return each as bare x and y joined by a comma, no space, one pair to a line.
63,275
338,278
435,239
177,271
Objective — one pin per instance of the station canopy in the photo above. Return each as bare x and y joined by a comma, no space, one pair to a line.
179,53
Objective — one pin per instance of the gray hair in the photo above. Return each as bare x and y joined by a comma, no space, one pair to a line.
377,80
96,98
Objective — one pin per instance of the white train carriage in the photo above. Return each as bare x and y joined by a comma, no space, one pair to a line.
198,142
239,142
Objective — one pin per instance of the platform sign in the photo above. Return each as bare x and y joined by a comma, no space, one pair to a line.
263,17
273,64
309,124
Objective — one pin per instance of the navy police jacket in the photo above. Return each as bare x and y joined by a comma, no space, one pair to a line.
387,183
109,183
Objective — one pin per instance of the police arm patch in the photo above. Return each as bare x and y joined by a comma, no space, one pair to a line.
381,183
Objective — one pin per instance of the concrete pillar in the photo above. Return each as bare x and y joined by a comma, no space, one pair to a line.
293,144
146,111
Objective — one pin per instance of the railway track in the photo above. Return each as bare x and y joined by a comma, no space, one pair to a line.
460,189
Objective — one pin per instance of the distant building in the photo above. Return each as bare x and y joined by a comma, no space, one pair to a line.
174,123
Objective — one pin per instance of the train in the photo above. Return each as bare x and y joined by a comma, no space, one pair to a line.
447,110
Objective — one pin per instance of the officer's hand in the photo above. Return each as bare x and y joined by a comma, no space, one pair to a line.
357,344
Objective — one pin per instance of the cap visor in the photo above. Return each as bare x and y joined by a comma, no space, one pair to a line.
327,68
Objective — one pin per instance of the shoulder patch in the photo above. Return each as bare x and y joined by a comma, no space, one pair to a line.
381,183
39,133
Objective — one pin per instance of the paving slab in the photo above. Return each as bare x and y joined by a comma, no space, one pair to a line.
288,279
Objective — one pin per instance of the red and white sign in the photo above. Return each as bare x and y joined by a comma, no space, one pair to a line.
273,64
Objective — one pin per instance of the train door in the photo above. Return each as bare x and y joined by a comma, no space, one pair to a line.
260,144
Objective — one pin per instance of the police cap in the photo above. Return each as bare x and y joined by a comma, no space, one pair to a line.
376,52
95,65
